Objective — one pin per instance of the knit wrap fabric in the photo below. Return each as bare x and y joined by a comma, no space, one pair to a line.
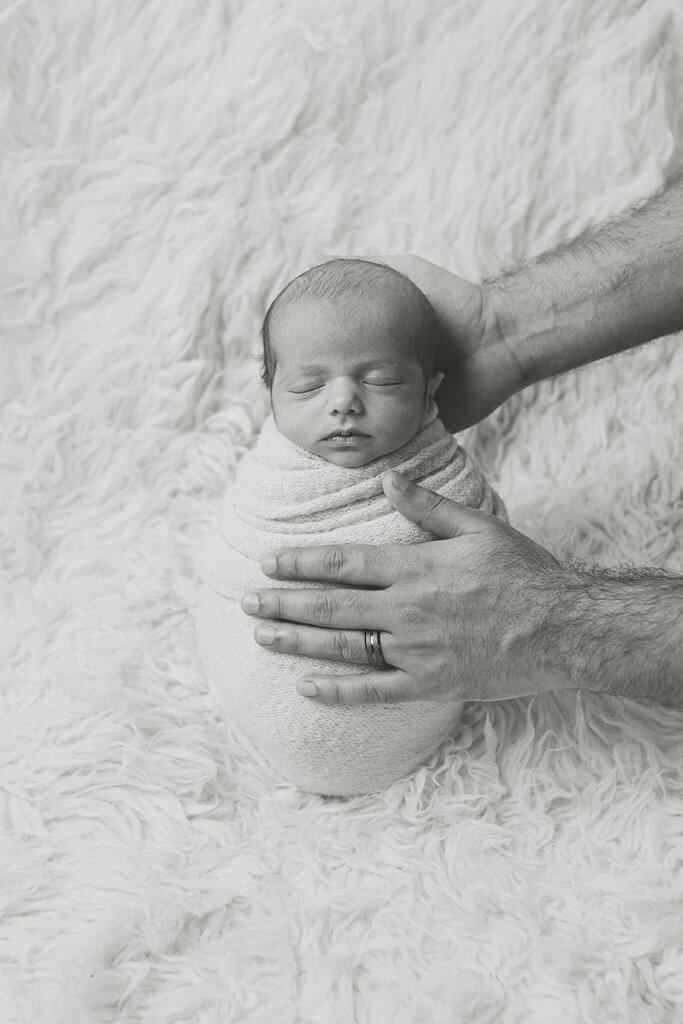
284,496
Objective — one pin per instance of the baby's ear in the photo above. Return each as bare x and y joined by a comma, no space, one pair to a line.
434,383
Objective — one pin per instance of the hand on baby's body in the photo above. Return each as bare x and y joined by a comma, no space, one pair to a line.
283,496
452,626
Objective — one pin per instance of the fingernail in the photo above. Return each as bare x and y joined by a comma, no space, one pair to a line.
250,604
265,635
399,482
269,565
307,688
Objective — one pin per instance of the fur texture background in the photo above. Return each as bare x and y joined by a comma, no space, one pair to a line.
165,167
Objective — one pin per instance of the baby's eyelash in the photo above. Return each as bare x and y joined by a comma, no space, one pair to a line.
371,383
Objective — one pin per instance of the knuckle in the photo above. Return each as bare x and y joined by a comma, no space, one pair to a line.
434,501
341,645
295,563
334,561
335,693
291,641
289,562
370,693
323,607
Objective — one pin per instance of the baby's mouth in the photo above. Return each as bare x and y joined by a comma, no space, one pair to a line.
349,432
346,437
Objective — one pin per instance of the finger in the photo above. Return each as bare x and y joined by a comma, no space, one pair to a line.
338,609
434,513
385,687
402,264
365,565
346,645
366,257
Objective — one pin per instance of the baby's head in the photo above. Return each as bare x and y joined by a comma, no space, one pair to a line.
348,360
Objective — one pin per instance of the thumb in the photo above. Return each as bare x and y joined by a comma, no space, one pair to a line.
434,513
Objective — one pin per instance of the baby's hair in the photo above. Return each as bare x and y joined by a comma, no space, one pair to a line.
338,279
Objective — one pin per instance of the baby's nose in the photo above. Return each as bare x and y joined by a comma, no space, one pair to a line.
344,396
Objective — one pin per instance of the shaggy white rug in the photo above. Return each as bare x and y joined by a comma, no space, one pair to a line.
165,167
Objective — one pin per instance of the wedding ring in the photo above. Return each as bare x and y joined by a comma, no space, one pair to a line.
373,648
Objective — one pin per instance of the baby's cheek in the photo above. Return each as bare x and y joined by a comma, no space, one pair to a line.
404,418
296,422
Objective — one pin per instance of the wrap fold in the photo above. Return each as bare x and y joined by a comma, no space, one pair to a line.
284,496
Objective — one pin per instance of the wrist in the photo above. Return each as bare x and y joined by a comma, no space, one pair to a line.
499,333
557,622
619,631
541,329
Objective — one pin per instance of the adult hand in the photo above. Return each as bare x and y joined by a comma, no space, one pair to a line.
480,369
471,617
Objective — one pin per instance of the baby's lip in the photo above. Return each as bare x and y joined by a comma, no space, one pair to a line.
345,433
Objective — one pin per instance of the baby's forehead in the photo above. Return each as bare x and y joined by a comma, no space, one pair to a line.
385,306
321,326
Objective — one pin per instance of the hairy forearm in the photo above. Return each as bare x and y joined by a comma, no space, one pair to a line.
615,286
620,631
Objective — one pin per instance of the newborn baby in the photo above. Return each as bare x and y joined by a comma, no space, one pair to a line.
348,364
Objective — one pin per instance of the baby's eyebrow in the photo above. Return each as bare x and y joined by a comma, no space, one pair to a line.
309,368
382,362
314,368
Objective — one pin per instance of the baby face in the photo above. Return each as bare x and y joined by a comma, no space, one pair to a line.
347,385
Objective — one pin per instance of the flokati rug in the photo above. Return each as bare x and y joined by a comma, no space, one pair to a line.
165,167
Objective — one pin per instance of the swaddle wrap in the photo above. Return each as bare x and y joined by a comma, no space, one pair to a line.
284,496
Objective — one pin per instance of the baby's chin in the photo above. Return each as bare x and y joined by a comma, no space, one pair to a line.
354,458
349,460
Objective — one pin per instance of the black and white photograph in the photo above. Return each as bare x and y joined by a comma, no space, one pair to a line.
341,512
